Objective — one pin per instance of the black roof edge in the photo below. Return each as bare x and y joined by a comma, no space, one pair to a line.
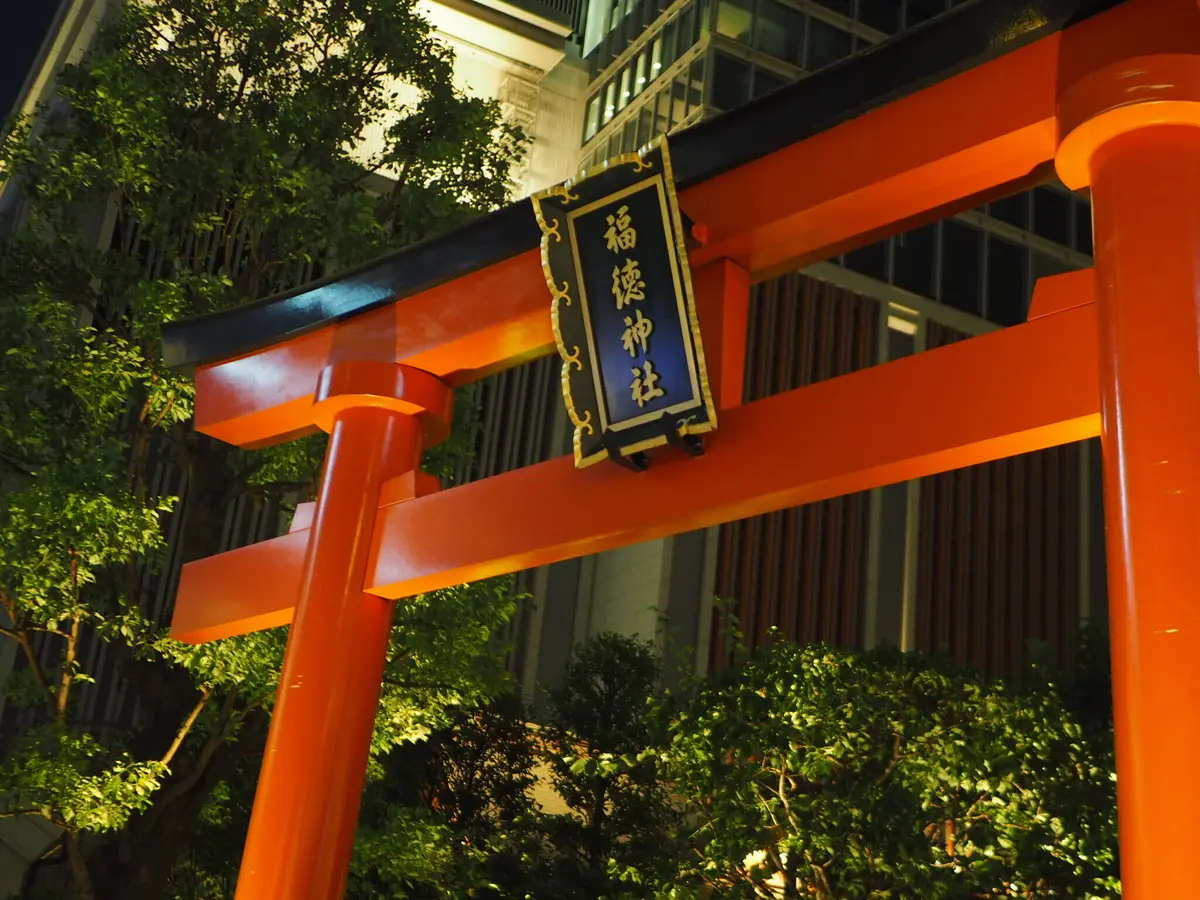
962,39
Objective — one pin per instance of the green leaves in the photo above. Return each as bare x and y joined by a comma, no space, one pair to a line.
204,154
73,520
73,775
804,772
890,773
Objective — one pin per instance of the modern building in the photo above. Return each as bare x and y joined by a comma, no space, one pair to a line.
975,563
978,563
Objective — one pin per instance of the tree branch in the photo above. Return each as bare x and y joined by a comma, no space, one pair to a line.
185,783
68,675
22,638
893,762
186,727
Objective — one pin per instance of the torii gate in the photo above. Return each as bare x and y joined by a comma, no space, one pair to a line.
1109,92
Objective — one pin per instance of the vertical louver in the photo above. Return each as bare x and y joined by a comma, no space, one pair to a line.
999,555
800,569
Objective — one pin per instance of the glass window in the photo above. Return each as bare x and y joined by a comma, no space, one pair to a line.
766,81
1006,281
592,123
687,28
735,18
662,111
960,266
870,260
610,107
1083,227
882,15
780,31
645,132
917,11
603,54
656,62
845,7
623,93
679,95
826,44
696,84
912,266
669,54
1051,215
629,136
1013,210
639,77
704,20
614,17
731,82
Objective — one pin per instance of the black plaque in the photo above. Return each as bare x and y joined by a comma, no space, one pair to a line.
624,316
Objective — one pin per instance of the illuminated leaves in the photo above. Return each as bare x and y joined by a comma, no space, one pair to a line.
880,774
204,154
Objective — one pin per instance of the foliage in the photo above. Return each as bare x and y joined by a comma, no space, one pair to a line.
456,816
804,772
453,816
204,154
620,837
827,774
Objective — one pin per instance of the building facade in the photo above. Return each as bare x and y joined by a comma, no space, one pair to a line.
978,564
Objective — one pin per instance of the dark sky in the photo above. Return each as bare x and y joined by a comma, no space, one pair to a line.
25,23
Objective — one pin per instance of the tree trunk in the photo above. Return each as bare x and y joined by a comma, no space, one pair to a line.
79,868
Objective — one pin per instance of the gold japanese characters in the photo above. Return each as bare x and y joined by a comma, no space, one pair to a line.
627,286
615,259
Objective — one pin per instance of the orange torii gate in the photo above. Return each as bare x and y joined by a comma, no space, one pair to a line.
991,96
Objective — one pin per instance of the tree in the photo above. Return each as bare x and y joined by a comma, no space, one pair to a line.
225,143
456,816
620,838
803,772
816,773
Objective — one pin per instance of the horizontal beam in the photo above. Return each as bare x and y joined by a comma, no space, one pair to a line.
968,36
1005,393
877,172
460,331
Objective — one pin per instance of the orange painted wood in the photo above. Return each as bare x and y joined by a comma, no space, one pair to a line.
310,788
722,291
817,197
1145,185
834,191
1009,392
459,331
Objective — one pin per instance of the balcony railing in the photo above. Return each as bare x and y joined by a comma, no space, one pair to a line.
563,12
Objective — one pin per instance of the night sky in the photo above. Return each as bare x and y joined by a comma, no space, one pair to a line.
25,25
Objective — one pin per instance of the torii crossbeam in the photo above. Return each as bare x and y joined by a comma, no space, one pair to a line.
978,104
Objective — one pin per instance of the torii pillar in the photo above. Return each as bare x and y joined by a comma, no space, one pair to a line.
379,417
1130,129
